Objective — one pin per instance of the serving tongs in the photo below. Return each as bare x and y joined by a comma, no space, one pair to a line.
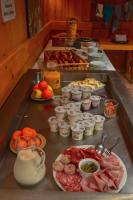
102,150
107,152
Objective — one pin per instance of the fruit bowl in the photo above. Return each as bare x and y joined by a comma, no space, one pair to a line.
25,138
42,91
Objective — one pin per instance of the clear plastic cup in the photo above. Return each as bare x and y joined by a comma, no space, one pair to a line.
66,92
76,95
86,92
110,108
89,127
77,132
73,116
64,129
86,104
60,113
95,100
99,122
57,100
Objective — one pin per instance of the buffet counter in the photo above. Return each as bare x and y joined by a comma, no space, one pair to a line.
49,47
22,112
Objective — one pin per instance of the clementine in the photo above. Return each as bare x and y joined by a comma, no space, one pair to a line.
38,142
31,143
21,143
29,132
16,134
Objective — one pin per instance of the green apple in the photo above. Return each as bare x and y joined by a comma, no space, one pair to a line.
37,93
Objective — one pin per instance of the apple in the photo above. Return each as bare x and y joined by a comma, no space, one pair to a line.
37,93
47,94
43,85
35,86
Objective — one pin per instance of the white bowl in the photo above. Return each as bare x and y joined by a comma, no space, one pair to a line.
89,161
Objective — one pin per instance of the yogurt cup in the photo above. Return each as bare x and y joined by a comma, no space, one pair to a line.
53,123
73,116
87,115
60,113
64,101
99,122
95,100
86,92
76,95
66,92
56,100
78,106
64,129
77,132
86,104
89,127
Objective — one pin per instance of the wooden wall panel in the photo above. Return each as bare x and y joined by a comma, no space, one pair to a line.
14,32
19,60
64,9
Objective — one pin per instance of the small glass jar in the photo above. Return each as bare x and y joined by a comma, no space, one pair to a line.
110,108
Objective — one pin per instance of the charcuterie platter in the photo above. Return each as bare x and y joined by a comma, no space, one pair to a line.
110,178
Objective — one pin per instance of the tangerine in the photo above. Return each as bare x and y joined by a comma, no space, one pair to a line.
29,132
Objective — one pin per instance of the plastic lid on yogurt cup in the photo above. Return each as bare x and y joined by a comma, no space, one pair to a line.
95,98
52,119
60,109
72,112
99,118
77,128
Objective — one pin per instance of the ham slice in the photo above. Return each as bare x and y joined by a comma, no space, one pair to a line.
105,180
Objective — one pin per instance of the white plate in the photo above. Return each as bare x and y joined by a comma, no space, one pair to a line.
123,180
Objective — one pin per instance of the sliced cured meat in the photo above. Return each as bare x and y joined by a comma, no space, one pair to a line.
70,183
65,159
58,166
70,169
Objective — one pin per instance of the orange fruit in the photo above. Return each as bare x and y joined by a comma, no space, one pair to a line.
29,132
16,135
21,143
38,142
31,142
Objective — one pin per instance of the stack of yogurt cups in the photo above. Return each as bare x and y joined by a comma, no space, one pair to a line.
69,120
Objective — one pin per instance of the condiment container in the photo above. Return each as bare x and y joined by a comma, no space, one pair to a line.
89,127
77,132
76,95
92,49
73,116
86,92
64,129
53,123
66,92
88,166
60,113
99,122
95,100
57,100
52,78
86,104
110,108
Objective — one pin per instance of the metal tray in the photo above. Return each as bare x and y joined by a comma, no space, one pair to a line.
35,115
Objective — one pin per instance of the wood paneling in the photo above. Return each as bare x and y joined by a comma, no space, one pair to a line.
14,32
64,9
19,60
